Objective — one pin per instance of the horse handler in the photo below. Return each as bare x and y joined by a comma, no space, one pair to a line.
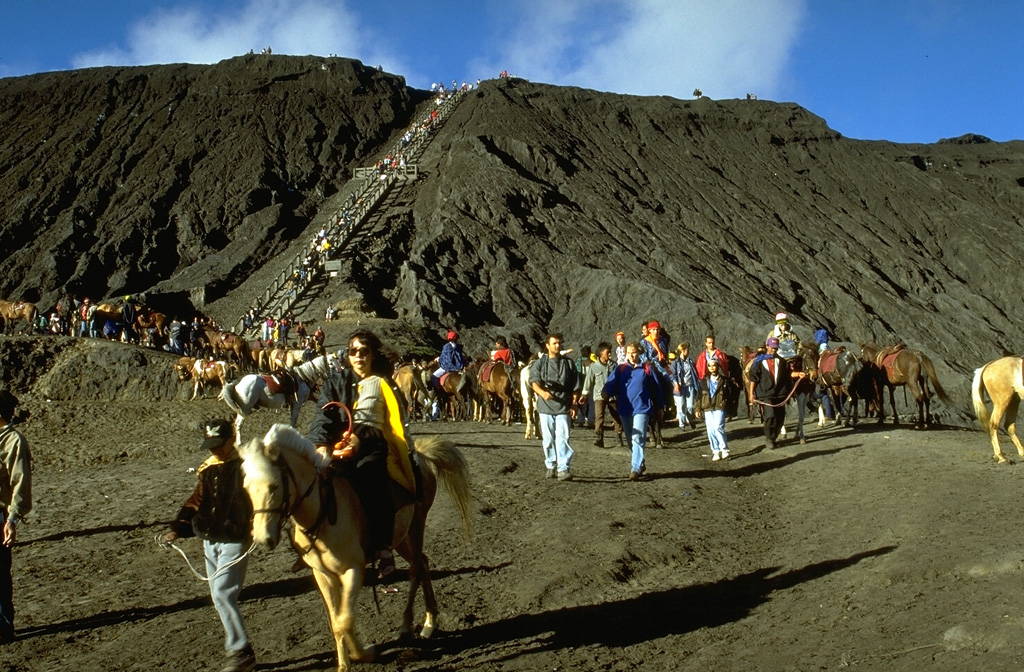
219,511
16,500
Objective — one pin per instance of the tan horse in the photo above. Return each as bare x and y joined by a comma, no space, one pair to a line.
183,367
457,395
1003,380
499,384
409,379
282,473
12,311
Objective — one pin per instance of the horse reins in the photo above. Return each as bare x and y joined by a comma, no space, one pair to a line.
781,403
220,570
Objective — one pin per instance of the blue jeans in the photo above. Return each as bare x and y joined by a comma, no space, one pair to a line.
637,438
554,429
225,588
684,406
714,422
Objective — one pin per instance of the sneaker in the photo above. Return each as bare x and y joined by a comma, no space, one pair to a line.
716,457
634,476
564,476
550,473
240,661
725,454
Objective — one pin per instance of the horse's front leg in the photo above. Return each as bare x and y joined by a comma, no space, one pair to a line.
339,598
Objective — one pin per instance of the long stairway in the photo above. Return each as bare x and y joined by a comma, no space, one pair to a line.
308,272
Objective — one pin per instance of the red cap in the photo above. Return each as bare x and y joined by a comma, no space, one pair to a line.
452,335
653,324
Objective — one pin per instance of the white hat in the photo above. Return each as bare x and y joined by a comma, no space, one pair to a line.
781,317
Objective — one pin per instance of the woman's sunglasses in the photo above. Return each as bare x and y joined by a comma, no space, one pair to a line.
358,352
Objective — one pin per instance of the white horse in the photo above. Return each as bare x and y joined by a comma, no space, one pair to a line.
252,391
315,370
529,399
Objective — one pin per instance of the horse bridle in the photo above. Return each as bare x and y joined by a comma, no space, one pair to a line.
285,511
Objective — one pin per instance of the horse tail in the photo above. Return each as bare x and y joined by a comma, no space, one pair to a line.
930,370
448,463
228,396
977,397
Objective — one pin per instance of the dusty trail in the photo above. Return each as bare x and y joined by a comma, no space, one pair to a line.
880,548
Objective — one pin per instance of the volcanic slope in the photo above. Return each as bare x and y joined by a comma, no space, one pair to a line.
588,212
550,207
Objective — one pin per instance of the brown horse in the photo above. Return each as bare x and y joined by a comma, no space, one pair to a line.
905,367
282,475
147,318
496,382
230,346
205,372
1003,380
12,311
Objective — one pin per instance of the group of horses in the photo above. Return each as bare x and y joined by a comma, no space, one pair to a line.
850,378
482,389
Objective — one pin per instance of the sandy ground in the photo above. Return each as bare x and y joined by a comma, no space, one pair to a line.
877,549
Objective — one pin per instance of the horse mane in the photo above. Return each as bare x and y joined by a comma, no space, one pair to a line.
285,437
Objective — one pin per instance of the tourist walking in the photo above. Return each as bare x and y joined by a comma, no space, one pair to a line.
711,404
16,500
593,388
219,511
557,385
636,386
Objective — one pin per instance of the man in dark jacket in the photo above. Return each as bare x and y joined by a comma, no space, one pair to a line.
770,383
220,512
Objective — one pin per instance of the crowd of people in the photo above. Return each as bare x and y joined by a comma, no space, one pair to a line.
639,387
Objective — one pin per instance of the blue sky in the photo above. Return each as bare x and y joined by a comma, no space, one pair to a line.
900,70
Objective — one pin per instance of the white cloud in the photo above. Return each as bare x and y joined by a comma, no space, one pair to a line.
187,35
656,47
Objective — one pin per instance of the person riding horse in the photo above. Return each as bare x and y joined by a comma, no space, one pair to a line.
377,448
789,342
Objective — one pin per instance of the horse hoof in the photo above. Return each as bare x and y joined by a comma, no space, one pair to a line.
369,655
